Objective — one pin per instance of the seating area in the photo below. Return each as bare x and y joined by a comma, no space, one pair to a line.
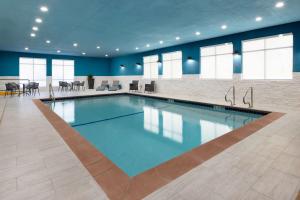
64,86
12,88
136,87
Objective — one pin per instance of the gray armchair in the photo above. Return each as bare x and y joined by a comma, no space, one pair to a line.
150,87
134,86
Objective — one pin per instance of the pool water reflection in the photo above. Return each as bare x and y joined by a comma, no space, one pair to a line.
139,133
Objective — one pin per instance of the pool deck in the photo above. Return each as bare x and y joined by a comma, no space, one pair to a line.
37,163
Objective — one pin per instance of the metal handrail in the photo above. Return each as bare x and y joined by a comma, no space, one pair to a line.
250,103
51,93
232,101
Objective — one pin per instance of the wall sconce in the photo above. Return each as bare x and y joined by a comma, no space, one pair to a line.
138,64
159,61
122,66
190,58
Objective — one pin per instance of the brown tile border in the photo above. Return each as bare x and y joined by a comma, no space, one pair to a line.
118,185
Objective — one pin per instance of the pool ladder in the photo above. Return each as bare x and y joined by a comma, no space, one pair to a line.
51,93
232,101
250,103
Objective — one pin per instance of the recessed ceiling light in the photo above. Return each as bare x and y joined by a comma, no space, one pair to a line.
161,42
38,20
83,53
177,38
75,44
44,8
136,48
117,49
106,55
197,33
35,28
147,45
26,48
48,41
279,4
58,51
258,19
224,27
98,47
32,34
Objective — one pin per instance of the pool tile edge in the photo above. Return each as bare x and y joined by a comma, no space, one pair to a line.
118,185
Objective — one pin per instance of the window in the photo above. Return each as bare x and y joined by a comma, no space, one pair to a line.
217,61
62,70
151,119
268,58
151,67
172,126
172,65
33,69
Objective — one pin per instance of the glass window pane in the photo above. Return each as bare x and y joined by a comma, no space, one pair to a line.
39,61
177,69
224,49
26,72
279,41
26,61
154,70
208,67
224,66
253,65
146,59
147,70
176,55
57,62
57,72
40,75
167,69
69,73
208,51
254,45
166,56
69,62
154,58
279,63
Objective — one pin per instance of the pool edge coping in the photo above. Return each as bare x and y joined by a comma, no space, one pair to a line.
107,174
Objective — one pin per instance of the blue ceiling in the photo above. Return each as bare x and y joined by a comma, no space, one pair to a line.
128,24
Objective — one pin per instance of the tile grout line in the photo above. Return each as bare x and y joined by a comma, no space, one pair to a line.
2,114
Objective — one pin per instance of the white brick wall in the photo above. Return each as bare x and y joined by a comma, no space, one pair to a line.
282,93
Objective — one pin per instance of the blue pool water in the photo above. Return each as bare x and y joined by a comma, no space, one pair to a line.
139,133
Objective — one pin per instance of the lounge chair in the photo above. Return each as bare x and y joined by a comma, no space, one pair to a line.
115,86
103,86
134,86
12,88
150,87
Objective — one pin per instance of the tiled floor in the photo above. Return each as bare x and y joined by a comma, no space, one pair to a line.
35,162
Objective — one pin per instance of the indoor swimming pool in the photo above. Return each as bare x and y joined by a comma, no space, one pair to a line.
138,133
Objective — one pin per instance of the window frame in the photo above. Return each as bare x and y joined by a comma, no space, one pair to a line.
63,70
150,63
215,56
34,65
264,50
172,60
